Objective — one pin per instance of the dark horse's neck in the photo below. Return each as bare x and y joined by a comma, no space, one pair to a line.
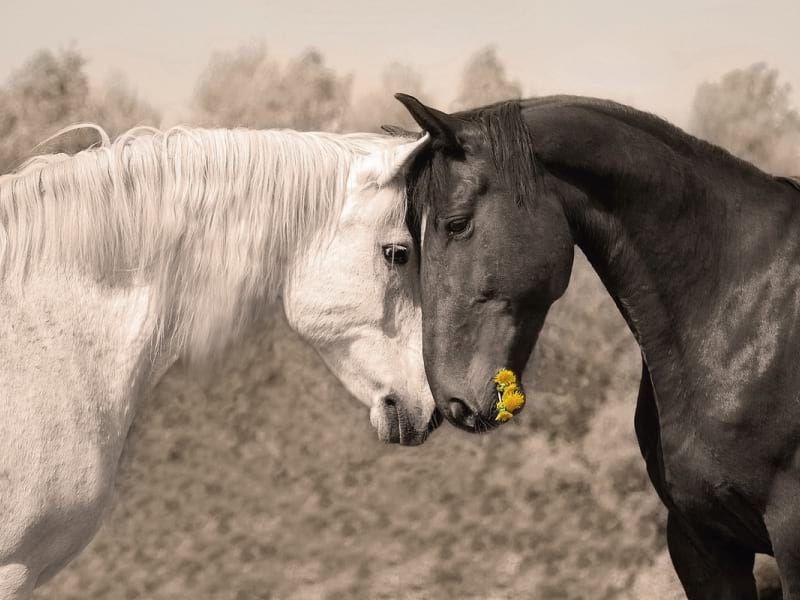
690,242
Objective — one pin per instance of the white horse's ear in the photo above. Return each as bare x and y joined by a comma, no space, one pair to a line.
399,158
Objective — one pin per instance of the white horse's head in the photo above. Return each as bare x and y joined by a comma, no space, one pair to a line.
354,295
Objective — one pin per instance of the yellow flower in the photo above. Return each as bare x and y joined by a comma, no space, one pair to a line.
504,378
513,399
501,395
503,415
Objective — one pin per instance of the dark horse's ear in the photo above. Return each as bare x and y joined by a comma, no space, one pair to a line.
443,128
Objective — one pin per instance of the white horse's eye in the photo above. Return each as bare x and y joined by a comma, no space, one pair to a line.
395,254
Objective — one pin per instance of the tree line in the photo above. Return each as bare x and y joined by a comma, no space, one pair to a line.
749,111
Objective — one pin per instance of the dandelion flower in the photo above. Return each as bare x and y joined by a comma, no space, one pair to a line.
503,415
504,378
501,395
513,399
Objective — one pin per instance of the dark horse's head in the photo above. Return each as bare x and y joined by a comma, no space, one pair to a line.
496,253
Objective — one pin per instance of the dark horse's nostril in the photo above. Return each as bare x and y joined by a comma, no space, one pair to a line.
461,413
390,400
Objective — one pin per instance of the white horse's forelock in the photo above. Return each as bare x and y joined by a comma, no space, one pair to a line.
208,218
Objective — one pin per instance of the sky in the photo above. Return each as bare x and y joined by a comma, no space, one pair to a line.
648,54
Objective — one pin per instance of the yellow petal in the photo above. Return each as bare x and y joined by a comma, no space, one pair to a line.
513,400
504,377
503,415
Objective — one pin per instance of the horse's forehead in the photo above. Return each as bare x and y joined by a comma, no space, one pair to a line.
452,177
458,187
374,206
474,167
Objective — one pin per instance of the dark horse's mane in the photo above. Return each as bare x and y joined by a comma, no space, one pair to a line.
511,148
649,123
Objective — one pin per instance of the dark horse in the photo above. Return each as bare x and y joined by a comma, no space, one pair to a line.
701,253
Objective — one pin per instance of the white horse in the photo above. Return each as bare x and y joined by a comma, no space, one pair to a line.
118,260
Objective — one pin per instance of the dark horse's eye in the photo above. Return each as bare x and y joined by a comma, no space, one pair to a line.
394,254
457,226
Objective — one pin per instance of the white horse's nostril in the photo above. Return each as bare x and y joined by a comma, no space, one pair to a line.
388,420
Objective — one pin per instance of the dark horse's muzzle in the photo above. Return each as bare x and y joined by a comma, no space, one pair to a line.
496,407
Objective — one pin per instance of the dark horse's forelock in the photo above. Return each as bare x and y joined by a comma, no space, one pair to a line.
510,145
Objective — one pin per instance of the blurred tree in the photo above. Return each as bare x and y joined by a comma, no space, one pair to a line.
49,88
46,93
51,91
8,118
117,107
319,99
484,81
749,113
236,88
379,107
248,88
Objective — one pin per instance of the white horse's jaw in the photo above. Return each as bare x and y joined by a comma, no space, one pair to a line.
367,328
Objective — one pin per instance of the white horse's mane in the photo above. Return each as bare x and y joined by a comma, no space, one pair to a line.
208,218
